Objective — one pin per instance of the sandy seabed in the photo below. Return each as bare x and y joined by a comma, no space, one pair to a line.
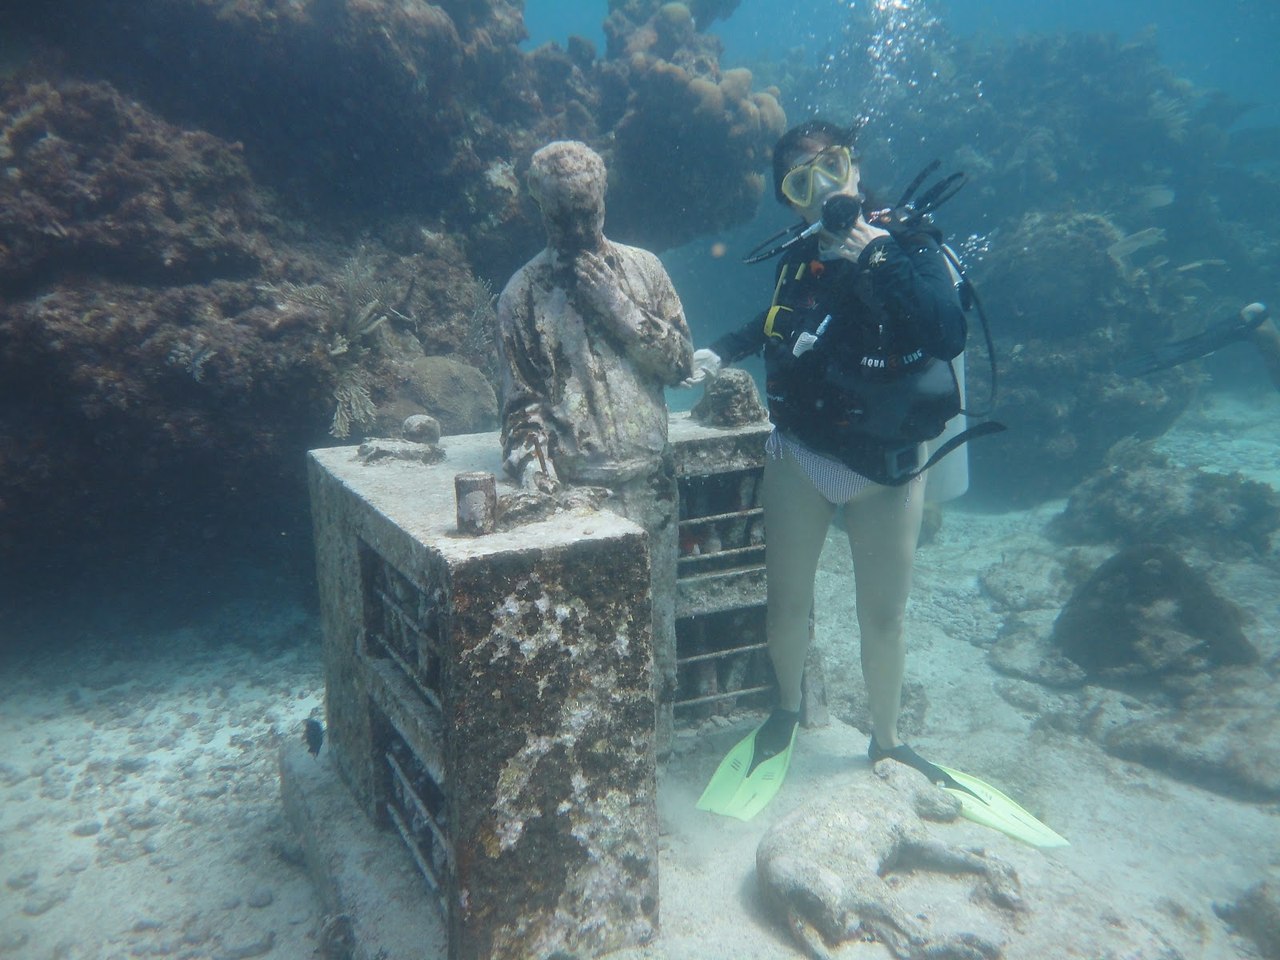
139,793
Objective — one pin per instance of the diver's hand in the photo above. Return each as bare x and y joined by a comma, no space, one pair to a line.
706,367
851,244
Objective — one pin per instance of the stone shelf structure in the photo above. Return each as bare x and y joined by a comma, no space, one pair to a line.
490,698
722,662
490,702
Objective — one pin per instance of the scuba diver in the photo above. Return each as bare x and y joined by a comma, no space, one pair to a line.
860,319
865,319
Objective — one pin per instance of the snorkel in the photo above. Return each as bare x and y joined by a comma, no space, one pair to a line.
910,211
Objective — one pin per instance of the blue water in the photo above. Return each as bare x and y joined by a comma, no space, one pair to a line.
1226,46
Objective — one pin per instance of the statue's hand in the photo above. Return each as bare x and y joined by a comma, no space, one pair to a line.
598,285
530,467
535,479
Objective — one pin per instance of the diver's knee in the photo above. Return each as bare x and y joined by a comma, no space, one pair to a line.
883,627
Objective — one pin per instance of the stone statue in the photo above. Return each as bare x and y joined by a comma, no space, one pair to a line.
590,332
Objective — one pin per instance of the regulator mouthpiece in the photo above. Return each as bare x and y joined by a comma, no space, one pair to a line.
841,212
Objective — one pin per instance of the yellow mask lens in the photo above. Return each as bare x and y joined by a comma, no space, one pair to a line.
833,164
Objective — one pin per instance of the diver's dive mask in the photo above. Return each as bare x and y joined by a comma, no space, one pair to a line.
826,170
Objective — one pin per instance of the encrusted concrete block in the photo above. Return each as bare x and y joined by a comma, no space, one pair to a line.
490,700
720,587
705,450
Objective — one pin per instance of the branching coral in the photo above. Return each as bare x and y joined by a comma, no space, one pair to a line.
354,405
477,301
354,306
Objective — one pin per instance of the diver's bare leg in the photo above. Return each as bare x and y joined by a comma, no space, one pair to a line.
1267,339
796,520
883,524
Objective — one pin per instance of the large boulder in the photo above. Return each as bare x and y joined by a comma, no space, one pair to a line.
1145,617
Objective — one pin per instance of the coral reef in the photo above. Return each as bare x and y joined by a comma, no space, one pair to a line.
131,334
378,110
699,132
168,340
231,231
701,12
1142,497
372,96
93,179
1063,318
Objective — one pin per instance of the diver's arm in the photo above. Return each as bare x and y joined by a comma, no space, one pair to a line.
911,279
744,342
748,340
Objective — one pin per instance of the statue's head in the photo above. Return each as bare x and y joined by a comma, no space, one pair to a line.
568,180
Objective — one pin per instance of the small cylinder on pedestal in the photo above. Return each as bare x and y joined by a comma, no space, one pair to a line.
477,495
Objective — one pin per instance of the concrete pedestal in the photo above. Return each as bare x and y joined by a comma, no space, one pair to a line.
490,701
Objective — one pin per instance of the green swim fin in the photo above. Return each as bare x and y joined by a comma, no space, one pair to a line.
742,786
979,802
984,804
